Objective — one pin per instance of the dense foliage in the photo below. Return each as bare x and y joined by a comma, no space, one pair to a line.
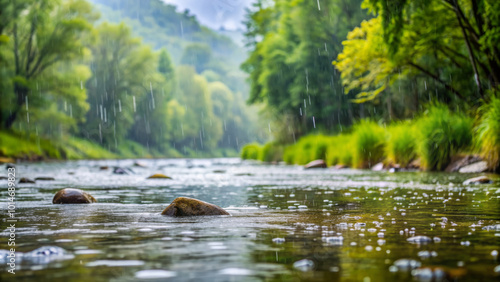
71,77
390,59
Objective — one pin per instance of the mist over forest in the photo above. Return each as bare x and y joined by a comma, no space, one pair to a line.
134,78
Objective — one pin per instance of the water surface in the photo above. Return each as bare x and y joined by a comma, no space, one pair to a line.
286,223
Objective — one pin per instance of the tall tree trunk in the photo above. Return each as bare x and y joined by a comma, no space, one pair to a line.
469,49
20,91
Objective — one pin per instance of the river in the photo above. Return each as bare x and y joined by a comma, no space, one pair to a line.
286,224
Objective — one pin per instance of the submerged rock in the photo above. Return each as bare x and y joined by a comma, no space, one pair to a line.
45,178
119,170
10,165
478,180
475,167
104,167
184,206
139,164
419,240
340,166
159,175
73,196
316,164
304,265
26,180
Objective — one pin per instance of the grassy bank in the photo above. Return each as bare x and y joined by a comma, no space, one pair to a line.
19,146
432,139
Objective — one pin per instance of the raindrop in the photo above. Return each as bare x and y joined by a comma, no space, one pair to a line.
314,122
152,97
319,7
133,98
119,105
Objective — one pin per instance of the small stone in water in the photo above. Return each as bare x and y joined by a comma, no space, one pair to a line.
279,240
304,265
154,274
407,264
497,269
302,207
235,271
419,240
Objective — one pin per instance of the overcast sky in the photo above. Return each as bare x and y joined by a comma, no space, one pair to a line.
215,13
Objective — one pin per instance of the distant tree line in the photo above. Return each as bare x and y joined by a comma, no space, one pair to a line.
64,72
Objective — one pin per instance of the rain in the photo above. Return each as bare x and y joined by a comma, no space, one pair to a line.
248,140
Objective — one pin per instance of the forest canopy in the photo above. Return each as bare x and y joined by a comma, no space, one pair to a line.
135,77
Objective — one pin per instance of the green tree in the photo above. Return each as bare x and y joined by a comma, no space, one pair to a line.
152,124
476,23
292,43
45,39
123,74
200,129
198,55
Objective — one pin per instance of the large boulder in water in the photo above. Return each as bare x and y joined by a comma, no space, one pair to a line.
73,196
316,164
184,206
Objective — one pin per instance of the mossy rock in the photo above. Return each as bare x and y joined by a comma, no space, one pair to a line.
159,176
184,206
73,196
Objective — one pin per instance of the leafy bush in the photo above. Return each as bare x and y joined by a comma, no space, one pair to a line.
339,150
251,151
488,133
271,152
401,146
368,144
442,134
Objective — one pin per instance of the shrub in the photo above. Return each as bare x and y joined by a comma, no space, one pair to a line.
271,152
442,134
488,133
368,144
401,147
339,150
251,151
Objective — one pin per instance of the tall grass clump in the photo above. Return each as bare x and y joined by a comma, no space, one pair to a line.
271,152
401,146
340,151
440,135
368,144
251,151
308,148
488,133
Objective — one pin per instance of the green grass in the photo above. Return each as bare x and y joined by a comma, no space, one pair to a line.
340,151
271,152
251,151
440,135
401,145
488,133
368,143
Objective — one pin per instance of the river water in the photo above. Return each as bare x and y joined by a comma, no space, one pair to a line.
286,224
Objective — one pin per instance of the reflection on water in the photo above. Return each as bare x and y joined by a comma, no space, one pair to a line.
287,224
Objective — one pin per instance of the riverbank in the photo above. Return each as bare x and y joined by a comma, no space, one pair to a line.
431,142
15,146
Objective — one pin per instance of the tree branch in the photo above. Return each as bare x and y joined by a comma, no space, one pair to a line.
436,78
